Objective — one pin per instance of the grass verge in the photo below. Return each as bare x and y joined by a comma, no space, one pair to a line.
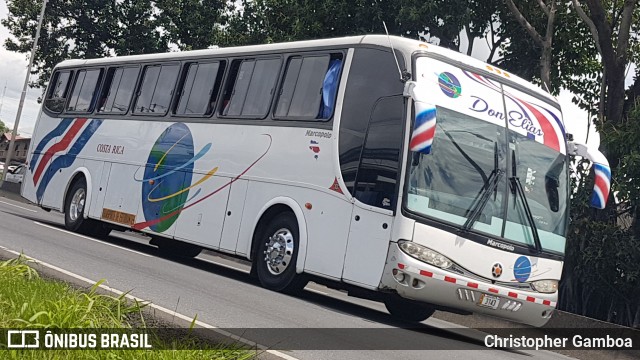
28,301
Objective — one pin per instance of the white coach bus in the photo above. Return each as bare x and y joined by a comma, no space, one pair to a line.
393,169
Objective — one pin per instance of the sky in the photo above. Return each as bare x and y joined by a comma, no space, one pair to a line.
13,69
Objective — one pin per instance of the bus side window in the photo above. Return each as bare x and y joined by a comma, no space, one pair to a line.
250,87
58,89
309,87
200,88
118,90
155,93
83,95
379,168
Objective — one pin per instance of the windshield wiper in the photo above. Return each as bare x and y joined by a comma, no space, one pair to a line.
516,187
490,186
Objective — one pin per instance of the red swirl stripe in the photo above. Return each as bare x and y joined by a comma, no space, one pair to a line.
59,146
550,136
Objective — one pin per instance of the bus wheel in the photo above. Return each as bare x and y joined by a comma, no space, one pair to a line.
97,229
74,208
277,253
408,310
173,248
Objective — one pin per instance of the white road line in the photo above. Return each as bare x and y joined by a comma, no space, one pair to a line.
157,307
23,208
225,265
91,239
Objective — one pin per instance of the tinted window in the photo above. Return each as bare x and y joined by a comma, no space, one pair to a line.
301,93
251,87
120,83
58,91
156,89
380,165
60,84
373,75
84,90
200,88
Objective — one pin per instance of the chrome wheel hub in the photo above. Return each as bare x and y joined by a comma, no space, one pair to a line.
279,251
76,208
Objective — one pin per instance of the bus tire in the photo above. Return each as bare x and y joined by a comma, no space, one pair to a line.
276,259
98,229
173,248
74,205
408,310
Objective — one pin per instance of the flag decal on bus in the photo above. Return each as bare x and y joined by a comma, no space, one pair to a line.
424,128
336,186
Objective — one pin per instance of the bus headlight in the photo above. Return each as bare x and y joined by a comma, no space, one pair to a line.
425,254
545,286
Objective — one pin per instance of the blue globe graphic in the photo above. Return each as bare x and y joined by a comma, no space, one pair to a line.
449,84
522,269
163,184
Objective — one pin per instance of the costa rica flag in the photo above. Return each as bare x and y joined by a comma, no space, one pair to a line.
424,128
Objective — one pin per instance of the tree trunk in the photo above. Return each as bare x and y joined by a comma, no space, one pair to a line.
616,93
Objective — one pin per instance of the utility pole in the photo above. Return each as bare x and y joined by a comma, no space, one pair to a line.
14,134
2,100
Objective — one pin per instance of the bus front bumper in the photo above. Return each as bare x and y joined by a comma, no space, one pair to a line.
417,280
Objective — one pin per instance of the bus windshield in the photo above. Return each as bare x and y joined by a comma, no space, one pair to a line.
466,176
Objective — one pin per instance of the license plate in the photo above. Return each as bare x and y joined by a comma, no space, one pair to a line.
489,301
118,217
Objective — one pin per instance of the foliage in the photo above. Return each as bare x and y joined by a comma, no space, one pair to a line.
3,128
29,301
601,277
265,21
192,24
70,29
137,30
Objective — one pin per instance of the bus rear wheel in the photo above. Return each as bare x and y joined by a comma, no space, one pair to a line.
408,310
74,219
277,254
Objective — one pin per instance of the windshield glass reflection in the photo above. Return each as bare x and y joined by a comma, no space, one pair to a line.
448,183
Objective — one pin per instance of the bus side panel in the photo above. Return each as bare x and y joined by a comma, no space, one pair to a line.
368,239
202,224
234,215
46,134
101,183
122,197
327,224
55,189
328,227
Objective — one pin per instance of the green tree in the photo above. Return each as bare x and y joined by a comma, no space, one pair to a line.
137,30
3,128
543,40
70,29
265,21
192,24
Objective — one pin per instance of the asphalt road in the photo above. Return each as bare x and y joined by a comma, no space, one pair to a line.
220,292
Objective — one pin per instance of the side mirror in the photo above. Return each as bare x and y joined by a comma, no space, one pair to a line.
551,187
602,185
424,127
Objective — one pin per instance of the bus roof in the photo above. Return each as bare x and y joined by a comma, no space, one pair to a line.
405,45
